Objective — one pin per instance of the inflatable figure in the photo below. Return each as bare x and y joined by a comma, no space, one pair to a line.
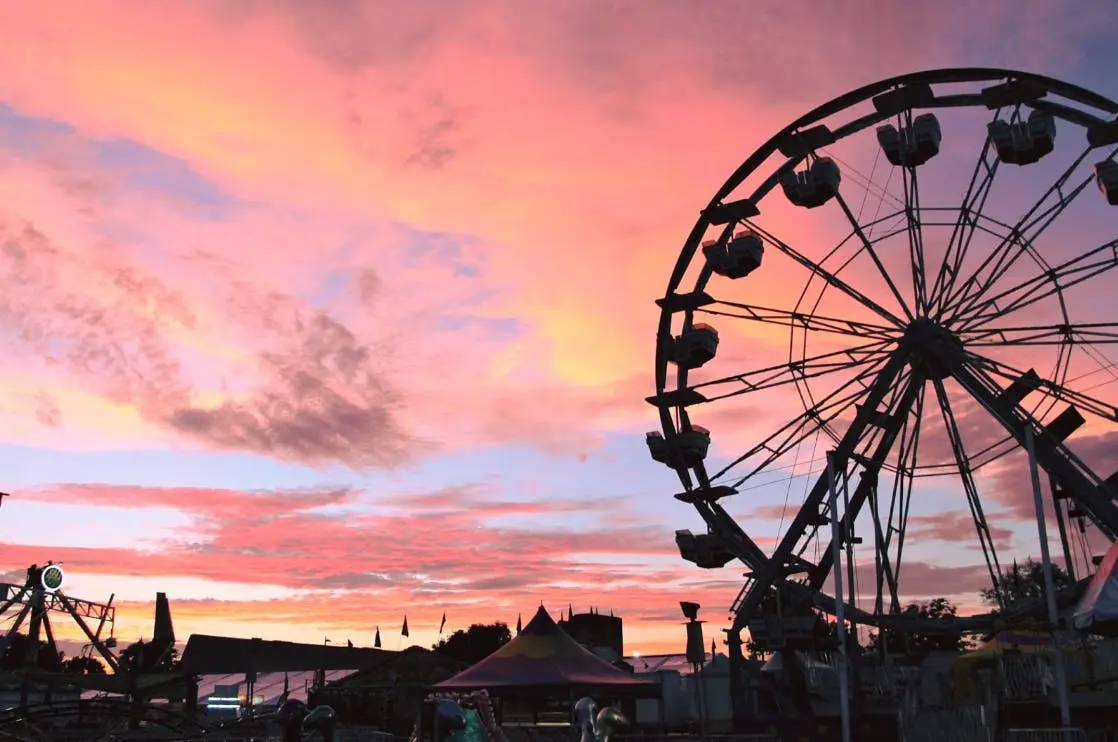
321,719
290,716
610,719
586,719
294,717
449,716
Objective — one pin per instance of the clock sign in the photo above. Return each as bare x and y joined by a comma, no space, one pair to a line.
51,577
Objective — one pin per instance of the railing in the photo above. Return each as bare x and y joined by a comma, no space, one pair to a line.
1026,677
1064,734
889,682
964,724
763,737
1093,669
362,735
340,735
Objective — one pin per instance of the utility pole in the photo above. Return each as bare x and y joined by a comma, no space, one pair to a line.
1049,581
840,600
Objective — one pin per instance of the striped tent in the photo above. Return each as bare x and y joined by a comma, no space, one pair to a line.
543,655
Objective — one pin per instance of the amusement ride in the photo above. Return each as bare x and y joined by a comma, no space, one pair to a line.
901,303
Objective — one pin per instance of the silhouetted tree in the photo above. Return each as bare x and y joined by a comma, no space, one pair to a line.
475,643
1024,581
138,653
83,666
918,643
19,646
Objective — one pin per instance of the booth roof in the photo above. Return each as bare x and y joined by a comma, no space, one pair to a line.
542,655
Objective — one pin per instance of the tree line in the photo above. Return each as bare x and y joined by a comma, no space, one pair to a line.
1023,582
19,648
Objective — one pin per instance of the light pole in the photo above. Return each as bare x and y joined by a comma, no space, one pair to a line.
840,597
696,657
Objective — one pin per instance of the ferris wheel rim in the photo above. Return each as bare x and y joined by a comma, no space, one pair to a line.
939,75
712,511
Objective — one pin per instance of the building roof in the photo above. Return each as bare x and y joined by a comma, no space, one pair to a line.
542,654
219,655
269,686
412,666
643,663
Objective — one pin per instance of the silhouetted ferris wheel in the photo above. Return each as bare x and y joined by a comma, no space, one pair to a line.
895,305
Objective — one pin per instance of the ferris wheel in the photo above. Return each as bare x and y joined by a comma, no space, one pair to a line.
899,306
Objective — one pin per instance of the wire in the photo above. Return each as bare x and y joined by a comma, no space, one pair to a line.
788,491
866,191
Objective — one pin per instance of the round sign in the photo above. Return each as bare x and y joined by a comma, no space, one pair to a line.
52,577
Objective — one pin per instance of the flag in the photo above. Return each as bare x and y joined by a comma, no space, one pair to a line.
442,624
404,631
376,641
518,628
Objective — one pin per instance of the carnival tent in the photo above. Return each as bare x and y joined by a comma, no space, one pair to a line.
1100,603
543,655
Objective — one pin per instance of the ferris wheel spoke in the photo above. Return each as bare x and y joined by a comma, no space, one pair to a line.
915,237
888,567
868,248
801,321
789,372
1031,381
892,422
807,423
1021,239
1055,458
830,278
1092,333
763,579
966,473
974,202
1052,282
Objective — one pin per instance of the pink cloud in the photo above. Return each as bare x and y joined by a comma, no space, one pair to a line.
423,552
370,128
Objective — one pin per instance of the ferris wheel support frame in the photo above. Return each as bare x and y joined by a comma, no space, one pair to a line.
1050,454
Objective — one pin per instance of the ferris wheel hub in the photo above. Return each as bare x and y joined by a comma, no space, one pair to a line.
931,348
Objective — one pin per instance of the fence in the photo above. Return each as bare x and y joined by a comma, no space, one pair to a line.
770,737
964,724
1065,734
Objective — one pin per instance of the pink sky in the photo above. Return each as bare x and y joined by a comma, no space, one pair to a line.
319,314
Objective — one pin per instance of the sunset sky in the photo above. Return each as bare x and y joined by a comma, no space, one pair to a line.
321,313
